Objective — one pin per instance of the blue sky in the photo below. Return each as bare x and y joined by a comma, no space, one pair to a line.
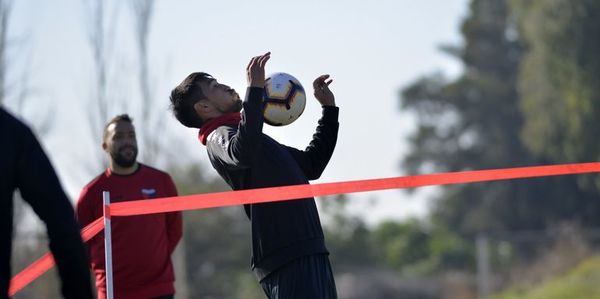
371,49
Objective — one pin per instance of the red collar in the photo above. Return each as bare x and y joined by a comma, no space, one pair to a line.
229,119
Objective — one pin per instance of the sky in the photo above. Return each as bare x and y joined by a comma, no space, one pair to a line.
371,49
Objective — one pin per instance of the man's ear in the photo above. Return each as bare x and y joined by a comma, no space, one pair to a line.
104,145
203,108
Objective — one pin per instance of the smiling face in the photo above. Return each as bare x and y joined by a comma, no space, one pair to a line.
120,143
219,99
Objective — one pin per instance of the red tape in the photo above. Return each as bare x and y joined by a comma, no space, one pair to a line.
263,195
46,262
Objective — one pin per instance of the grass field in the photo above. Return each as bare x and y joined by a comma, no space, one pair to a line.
582,282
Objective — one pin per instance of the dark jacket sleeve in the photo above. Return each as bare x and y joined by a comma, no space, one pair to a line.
40,187
317,154
238,148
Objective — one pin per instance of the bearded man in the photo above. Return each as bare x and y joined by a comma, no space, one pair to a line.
141,245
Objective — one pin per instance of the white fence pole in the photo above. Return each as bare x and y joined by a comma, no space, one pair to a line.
108,245
483,266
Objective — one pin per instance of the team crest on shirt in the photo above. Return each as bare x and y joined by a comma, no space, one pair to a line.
149,192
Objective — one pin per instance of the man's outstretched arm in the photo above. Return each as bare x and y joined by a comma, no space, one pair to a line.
40,187
317,154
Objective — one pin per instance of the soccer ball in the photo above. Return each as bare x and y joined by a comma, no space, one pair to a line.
284,99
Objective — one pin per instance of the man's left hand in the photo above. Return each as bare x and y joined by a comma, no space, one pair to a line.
322,91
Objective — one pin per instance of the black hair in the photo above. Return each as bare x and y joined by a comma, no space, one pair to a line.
121,117
185,95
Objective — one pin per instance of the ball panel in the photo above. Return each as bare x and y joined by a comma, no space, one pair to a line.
284,99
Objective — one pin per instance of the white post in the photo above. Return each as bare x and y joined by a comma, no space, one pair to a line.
108,245
483,266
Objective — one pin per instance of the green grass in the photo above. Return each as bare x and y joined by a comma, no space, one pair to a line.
582,282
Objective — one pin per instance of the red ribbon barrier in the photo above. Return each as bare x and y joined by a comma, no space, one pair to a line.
263,195
43,264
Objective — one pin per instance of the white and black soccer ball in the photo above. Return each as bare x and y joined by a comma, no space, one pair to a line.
284,99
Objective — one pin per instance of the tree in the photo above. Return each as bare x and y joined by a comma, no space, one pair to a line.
346,235
476,122
151,118
107,96
5,8
473,122
15,72
15,95
559,82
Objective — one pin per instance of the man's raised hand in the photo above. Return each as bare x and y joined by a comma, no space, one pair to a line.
256,70
322,91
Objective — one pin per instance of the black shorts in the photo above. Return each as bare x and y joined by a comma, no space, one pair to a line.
307,277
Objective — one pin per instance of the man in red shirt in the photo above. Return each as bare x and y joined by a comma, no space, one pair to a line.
141,245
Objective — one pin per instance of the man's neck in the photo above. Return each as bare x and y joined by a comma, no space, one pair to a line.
116,169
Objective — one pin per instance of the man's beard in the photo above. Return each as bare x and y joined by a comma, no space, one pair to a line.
237,107
122,160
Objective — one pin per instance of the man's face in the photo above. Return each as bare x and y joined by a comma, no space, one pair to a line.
120,143
223,98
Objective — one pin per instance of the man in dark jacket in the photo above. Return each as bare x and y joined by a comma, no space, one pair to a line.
289,256
24,166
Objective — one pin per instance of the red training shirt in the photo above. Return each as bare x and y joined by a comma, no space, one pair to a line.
141,245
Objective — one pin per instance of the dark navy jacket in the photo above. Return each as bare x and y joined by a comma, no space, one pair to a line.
247,159
24,166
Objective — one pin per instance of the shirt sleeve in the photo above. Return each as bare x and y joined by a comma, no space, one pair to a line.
317,154
40,187
86,214
83,209
174,220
